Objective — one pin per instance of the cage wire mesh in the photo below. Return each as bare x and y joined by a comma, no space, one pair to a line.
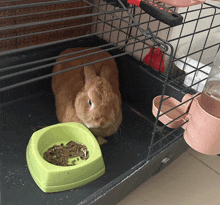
188,49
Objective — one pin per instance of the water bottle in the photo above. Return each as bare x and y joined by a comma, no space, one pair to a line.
210,97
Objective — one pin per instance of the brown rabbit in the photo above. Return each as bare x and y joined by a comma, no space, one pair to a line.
90,94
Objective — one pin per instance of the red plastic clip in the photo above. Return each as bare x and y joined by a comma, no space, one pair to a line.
135,2
155,59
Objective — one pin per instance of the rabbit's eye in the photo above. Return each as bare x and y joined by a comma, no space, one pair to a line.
90,102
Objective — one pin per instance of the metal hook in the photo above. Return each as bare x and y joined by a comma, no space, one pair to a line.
147,33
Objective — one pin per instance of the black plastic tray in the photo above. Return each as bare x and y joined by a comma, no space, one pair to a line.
22,112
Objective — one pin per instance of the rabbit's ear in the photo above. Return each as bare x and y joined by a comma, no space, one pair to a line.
89,73
105,72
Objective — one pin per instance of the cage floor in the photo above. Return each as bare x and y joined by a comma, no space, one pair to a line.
124,150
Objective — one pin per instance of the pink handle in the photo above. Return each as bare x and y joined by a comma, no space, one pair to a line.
182,3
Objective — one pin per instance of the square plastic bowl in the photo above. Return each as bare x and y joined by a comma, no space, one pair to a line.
53,178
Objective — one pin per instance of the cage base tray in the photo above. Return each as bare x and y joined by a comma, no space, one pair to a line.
123,154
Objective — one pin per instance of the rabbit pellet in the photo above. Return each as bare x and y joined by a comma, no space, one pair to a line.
59,154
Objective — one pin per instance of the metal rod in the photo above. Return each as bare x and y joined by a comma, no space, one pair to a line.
51,74
35,4
59,62
43,12
55,57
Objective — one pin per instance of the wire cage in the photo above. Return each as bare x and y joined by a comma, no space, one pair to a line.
33,34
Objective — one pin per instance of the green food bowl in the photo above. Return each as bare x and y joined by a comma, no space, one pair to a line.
54,178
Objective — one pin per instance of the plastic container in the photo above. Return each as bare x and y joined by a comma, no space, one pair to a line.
189,63
202,121
210,98
53,178
202,131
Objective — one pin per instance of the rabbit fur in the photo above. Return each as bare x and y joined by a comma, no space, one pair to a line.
89,95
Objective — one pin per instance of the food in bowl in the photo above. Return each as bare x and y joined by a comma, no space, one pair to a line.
60,154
